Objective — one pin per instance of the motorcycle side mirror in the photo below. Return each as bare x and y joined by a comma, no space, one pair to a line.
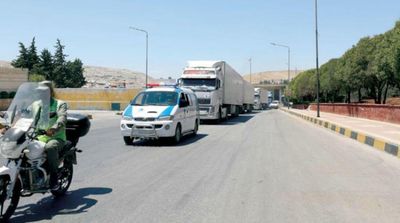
2,114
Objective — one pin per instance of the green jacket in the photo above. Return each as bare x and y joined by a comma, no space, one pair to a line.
58,122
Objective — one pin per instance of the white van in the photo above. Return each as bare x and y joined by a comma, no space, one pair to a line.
161,112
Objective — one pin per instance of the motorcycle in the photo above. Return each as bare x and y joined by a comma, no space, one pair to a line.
25,171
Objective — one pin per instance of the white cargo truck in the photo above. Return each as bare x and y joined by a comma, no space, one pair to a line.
248,97
218,87
260,99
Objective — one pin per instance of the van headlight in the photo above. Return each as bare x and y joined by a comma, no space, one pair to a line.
167,117
127,118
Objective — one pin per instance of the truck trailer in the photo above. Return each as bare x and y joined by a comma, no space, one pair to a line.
218,87
248,97
260,99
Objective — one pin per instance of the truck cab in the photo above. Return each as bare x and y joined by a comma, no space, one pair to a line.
218,87
208,92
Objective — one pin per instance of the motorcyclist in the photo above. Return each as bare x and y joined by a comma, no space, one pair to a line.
55,136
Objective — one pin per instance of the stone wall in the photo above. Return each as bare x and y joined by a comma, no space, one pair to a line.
96,99
385,113
90,99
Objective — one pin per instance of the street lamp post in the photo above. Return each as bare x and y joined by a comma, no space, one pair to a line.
316,55
147,50
288,48
250,69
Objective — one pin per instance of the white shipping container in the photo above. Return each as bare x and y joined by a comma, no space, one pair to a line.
248,93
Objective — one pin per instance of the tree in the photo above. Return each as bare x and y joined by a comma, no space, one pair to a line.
59,62
22,59
75,74
397,68
27,58
46,67
56,68
33,58
331,86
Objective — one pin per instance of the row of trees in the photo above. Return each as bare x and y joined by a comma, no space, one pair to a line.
50,67
369,70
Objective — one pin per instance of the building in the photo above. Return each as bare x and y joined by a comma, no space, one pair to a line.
11,78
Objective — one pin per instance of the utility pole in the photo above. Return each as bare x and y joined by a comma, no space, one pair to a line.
250,69
316,55
147,50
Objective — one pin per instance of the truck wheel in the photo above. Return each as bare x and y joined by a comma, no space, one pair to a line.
237,111
219,119
128,141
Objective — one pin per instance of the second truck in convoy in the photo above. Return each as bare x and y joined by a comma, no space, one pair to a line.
260,99
220,90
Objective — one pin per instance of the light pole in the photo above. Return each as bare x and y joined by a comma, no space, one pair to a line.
288,48
316,55
250,69
147,50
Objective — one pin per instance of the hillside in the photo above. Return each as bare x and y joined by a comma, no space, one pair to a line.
276,76
103,76
5,64
100,77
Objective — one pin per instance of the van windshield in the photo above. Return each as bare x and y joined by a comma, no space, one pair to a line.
156,98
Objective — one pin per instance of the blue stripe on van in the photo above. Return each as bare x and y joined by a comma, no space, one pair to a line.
167,111
128,111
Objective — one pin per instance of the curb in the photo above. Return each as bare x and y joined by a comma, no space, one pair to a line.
377,143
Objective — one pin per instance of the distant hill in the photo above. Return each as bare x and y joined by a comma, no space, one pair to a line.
100,77
277,76
6,64
112,77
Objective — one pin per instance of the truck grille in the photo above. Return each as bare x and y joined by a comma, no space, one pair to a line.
204,101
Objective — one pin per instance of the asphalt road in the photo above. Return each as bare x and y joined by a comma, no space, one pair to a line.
262,167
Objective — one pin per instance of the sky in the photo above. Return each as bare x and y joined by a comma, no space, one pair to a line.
97,31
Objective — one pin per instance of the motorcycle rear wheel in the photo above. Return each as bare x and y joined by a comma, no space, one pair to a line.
8,206
64,180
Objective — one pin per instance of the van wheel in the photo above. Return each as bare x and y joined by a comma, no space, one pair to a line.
178,134
128,140
196,127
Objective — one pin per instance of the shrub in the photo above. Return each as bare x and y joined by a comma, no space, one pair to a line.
3,94
11,94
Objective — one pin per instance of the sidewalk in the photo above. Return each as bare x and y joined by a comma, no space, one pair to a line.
381,135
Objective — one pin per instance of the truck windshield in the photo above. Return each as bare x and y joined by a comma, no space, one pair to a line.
156,98
198,82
